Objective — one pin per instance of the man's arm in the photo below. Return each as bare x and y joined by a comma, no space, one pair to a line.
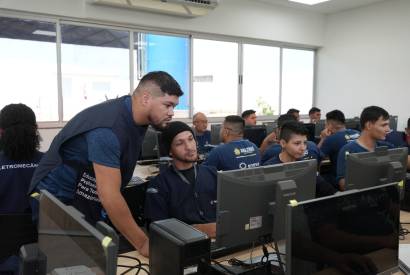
108,187
207,228
268,141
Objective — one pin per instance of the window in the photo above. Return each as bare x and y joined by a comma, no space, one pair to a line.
28,66
164,53
297,80
215,77
260,85
94,65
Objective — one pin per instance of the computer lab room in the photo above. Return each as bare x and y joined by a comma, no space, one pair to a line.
176,137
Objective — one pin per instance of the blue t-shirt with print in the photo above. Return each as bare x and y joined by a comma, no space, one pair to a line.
237,154
312,152
353,147
99,146
332,145
273,161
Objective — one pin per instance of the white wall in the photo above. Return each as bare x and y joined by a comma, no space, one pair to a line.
244,18
366,60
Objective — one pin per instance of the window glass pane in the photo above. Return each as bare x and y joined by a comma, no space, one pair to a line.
260,88
28,66
215,78
164,53
95,66
297,80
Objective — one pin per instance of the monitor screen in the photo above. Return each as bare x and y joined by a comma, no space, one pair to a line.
271,126
311,127
150,149
247,207
393,122
369,169
67,240
216,134
353,123
255,134
356,232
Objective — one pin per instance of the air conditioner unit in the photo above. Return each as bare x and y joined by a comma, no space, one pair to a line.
186,8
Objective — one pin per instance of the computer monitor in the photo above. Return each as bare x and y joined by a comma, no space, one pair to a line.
150,147
319,127
68,240
251,203
393,122
369,169
350,231
216,134
255,134
311,127
271,126
353,123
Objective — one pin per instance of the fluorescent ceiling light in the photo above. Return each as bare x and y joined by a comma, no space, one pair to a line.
47,33
309,2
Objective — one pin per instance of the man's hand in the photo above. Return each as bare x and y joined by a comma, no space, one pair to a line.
208,228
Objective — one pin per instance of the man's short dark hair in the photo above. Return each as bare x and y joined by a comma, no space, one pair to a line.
336,115
282,119
235,123
165,82
292,111
372,114
313,110
292,128
247,113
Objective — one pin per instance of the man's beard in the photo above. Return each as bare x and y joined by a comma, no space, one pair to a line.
185,159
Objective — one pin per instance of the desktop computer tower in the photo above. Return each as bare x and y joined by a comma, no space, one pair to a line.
174,246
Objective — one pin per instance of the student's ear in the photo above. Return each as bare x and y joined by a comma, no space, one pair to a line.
368,125
146,97
282,143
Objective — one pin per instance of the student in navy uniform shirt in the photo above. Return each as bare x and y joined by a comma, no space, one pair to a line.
185,191
19,157
202,135
293,141
93,157
374,122
334,137
236,152
311,152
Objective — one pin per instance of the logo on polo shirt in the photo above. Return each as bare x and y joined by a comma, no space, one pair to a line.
236,151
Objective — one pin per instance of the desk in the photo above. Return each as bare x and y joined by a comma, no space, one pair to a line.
404,217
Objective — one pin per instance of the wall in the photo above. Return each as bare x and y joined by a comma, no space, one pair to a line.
366,60
244,18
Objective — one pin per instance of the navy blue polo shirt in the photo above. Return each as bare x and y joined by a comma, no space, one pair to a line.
312,152
353,147
332,145
15,177
202,140
169,196
272,161
237,154
396,138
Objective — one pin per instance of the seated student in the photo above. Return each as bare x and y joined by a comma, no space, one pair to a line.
293,141
312,151
333,138
294,112
202,135
249,116
19,157
236,152
314,115
374,122
185,190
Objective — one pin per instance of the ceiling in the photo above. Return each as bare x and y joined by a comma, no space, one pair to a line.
332,6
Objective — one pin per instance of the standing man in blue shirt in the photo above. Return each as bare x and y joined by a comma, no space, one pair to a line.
202,134
185,190
334,137
93,157
374,122
236,152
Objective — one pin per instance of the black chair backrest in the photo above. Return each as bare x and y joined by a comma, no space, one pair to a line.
15,231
